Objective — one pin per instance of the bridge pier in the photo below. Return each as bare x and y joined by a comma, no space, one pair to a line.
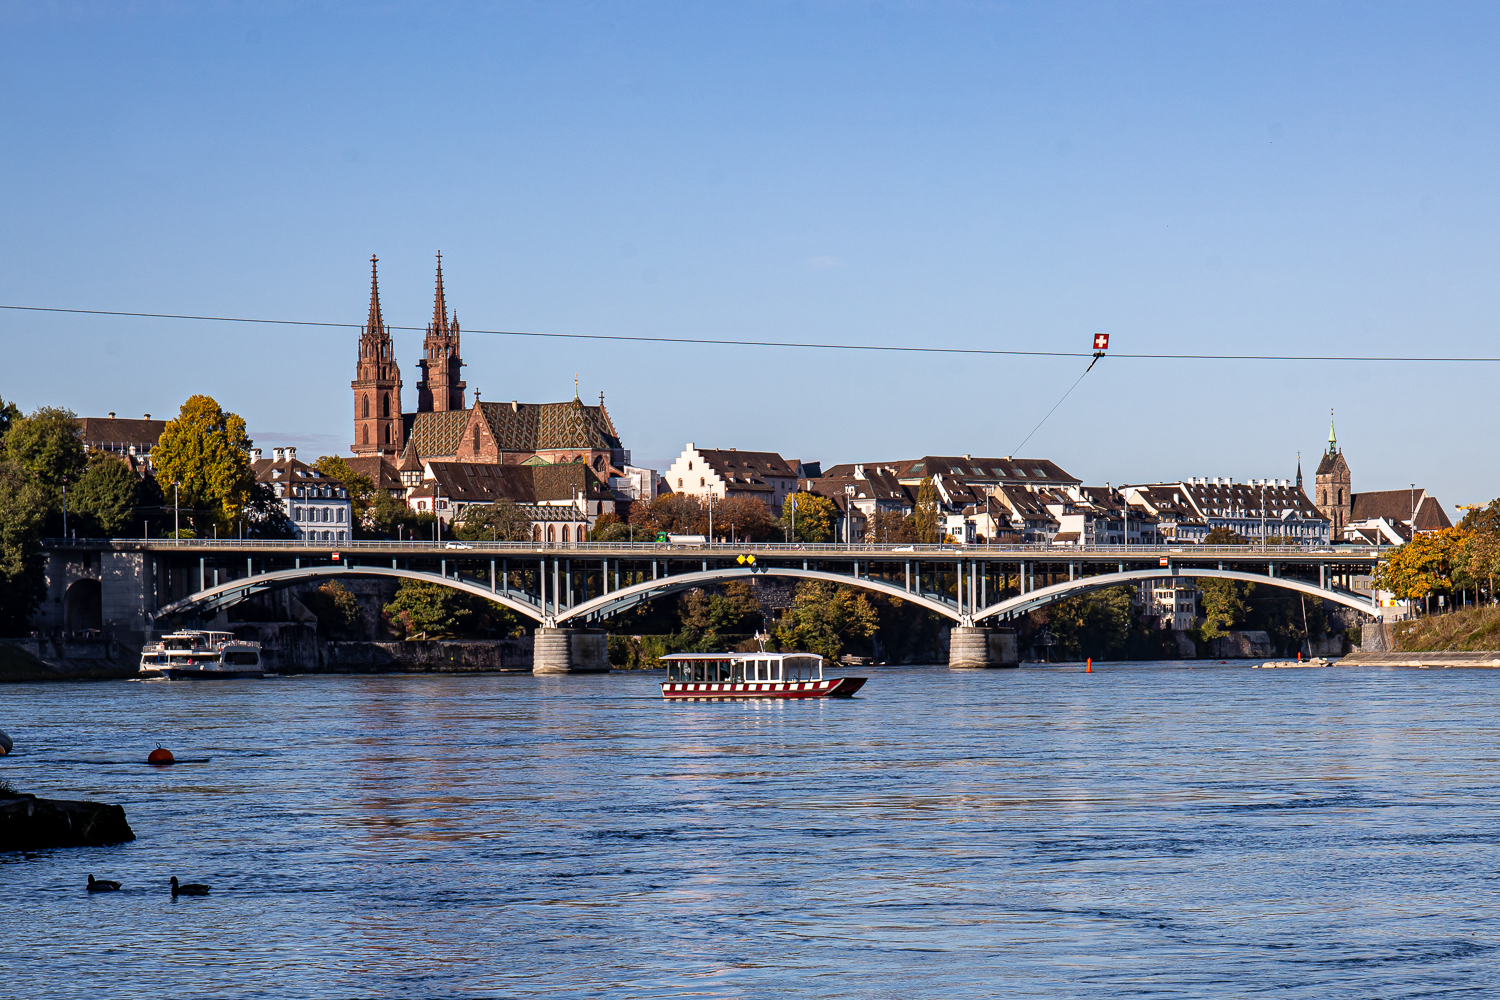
570,651
974,648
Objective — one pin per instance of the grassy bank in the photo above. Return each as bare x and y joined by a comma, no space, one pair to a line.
1471,629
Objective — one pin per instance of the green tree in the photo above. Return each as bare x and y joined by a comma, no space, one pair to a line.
610,528
436,611
1224,605
106,495
822,616
47,446
9,414
23,504
502,521
927,518
390,518
1096,625
808,517
711,613
360,487
338,611
205,453
1221,535
265,514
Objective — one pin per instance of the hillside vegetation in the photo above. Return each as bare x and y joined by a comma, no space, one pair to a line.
1470,629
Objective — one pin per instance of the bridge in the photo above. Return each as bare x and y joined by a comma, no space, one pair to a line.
155,583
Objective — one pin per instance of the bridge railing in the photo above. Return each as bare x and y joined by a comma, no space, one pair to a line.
1252,552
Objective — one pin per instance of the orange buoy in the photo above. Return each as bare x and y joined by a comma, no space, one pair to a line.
1089,667
161,756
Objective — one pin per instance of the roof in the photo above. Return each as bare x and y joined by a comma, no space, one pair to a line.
469,482
117,431
875,486
525,427
746,469
1241,500
377,469
1331,464
969,469
293,471
1396,506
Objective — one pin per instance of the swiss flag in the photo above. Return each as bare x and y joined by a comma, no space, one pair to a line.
1101,341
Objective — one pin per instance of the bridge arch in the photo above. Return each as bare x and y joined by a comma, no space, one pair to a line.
627,597
1046,595
206,603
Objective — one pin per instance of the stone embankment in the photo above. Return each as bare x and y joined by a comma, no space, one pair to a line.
67,659
28,823
1473,658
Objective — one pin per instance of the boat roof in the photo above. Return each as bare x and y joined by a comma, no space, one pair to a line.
754,655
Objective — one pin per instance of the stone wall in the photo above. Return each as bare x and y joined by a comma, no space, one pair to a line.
1377,637
1239,645
428,657
68,659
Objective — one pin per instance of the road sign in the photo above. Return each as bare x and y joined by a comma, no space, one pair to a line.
1101,341
1164,560
335,555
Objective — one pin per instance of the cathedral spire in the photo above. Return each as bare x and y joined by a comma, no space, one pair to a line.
1333,439
440,388
439,302
378,429
1299,470
375,322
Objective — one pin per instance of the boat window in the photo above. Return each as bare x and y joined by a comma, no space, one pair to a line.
737,671
246,658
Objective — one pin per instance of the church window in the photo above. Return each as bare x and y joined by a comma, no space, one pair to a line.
476,437
551,533
536,532
565,534
1341,498
385,405
367,408
366,435
388,435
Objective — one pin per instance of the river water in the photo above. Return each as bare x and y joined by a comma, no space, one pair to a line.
1150,830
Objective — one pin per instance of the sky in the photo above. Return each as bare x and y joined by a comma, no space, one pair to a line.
1226,178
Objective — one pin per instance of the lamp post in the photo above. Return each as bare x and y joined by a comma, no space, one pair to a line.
176,519
65,507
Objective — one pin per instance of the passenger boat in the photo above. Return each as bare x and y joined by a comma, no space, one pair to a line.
188,654
712,676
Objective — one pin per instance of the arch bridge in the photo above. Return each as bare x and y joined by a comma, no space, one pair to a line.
587,583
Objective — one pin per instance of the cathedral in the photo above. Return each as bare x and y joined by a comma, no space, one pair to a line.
399,449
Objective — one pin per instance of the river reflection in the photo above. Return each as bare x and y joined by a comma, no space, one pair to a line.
1147,829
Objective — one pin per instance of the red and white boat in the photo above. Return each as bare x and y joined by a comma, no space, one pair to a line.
714,676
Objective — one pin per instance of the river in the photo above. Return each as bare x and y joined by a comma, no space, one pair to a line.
1151,830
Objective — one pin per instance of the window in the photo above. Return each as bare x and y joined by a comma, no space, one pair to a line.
476,440
551,533
296,513
367,407
690,466
341,515
365,435
565,534
385,411
387,434
679,482
702,481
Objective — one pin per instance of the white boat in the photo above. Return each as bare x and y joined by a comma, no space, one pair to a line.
714,676
189,654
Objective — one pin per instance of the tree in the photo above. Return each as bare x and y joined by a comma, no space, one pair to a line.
23,584
205,453
9,414
338,611
745,519
1478,558
679,514
106,495
642,522
48,446
714,613
808,517
502,521
1422,567
360,487
265,514
926,519
889,527
1224,604
610,528
1096,625
1221,535
437,611
390,518
822,615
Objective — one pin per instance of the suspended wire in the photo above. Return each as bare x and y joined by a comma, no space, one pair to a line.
772,343
1017,449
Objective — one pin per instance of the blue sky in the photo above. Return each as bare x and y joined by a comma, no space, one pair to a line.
1217,178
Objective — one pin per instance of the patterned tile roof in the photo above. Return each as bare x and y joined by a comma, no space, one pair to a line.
524,427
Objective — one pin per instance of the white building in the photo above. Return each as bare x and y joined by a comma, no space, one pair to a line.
724,473
635,484
1172,602
319,508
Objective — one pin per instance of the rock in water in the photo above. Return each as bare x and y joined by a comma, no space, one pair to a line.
6,746
28,823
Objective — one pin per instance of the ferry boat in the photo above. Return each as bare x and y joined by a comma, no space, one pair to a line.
188,654
712,676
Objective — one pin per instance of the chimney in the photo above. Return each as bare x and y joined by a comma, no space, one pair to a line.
111,414
859,472
514,406
148,416
255,454
291,454
278,455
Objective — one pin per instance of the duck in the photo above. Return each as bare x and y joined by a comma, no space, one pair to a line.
102,885
188,889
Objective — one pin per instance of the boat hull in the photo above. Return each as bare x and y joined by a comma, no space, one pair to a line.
191,674
832,687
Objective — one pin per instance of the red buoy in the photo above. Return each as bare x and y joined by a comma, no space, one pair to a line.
161,756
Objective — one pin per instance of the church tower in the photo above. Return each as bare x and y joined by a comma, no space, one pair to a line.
377,384
1335,497
440,388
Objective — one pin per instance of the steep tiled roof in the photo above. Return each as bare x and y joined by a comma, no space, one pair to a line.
969,469
379,470
518,427
1333,463
484,483
436,433
1395,505
747,470
116,433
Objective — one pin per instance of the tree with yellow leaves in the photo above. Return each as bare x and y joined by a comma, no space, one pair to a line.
205,453
1423,567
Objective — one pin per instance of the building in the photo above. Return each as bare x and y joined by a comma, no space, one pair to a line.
1334,488
635,484
1169,603
1260,510
449,488
728,472
318,507
392,447
132,440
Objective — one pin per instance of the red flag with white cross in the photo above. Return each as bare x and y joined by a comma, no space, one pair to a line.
1101,341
